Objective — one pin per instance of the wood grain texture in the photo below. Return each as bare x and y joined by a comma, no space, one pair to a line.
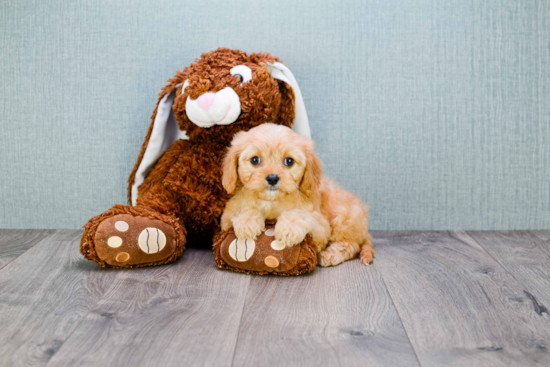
183,314
458,305
429,299
526,255
339,316
44,294
13,242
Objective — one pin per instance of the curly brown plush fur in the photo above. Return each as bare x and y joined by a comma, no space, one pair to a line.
185,184
190,171
263,99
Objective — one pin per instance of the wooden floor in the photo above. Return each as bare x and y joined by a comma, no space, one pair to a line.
429,299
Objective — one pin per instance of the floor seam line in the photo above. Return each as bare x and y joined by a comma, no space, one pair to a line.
240,323
399,316
21,254
84,317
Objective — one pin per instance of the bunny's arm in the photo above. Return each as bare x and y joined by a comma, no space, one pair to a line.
158,174
196,180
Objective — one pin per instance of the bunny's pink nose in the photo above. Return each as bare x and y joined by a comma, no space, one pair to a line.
206,100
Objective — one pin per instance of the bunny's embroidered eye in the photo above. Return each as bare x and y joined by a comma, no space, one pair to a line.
243,72
288,162
255,160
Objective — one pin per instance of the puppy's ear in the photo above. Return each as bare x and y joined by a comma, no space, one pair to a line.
230,175
312,174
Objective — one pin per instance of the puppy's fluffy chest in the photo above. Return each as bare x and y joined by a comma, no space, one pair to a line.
267,208
272,209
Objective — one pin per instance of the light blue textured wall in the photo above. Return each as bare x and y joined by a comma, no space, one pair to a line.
436,112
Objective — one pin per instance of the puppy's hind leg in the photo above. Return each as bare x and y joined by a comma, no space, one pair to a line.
367,252
338,252
349,224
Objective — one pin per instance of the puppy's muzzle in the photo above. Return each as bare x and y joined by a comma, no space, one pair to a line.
272,180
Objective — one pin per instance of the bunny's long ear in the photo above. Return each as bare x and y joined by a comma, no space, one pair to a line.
301,124
163,131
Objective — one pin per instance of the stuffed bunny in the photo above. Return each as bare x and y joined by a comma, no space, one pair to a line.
175,187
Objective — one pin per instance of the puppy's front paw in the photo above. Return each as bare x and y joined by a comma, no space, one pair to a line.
249,228
289,233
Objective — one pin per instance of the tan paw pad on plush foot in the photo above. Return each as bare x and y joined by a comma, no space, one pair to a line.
242,249
126,240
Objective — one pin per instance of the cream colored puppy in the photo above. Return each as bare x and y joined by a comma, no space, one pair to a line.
274,174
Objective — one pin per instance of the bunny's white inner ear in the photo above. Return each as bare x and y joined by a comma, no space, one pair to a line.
165,133
282,73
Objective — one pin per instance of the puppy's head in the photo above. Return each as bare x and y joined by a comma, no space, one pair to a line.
270,161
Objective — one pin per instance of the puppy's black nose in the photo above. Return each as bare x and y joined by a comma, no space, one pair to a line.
272,179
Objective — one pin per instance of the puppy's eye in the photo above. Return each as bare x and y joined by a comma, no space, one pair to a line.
288,162
243,72
255,160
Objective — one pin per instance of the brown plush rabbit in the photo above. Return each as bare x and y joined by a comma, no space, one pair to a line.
175,187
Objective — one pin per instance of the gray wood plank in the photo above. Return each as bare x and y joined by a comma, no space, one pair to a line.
183,314
341,316
458,305
14,242
526,255
44,294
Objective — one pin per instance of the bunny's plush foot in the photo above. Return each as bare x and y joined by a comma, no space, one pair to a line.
126,236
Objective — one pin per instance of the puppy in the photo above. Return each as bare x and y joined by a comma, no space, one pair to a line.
274,174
